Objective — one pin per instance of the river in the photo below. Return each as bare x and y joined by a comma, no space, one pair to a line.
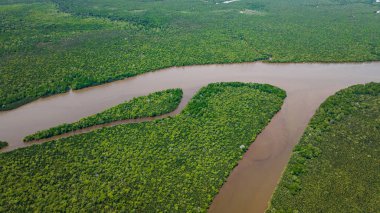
251,183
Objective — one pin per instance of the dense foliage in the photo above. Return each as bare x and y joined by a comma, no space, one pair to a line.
335,167
3,144
154,104
176,164
50,46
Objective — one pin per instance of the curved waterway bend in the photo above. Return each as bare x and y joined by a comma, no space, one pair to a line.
251,184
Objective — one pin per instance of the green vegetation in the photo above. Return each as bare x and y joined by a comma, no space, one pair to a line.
3,144
154,104
176,164
50,46
335,167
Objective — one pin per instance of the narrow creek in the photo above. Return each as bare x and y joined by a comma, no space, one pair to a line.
251,183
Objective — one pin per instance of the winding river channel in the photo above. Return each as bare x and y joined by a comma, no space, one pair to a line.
251,183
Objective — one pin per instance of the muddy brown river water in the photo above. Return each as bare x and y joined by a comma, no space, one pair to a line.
251,183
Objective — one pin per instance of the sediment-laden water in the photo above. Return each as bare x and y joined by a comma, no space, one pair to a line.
252,182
